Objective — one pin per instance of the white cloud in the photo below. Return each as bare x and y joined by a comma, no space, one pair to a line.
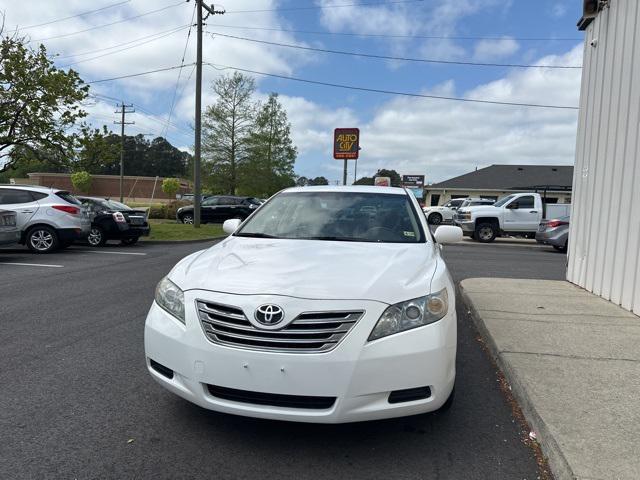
486,50
559,10
445,138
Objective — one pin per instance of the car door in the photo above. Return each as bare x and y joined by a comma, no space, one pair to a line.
225,209
208,209
23,202
521,214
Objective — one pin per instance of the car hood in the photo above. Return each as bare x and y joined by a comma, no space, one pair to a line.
312,269
479,208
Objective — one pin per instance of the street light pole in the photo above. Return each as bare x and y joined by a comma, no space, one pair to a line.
122,123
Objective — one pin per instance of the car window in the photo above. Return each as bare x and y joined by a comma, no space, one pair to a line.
504,200
210,201
226,201
9,196
526,202
68,197
339,216
253,201
39,195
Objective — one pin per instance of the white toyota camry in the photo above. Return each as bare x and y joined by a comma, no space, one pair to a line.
328,304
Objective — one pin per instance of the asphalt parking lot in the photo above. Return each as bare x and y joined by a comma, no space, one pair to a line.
76,400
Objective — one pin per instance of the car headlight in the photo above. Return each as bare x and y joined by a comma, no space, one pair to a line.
411,314
170,298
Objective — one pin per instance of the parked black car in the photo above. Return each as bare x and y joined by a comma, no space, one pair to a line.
219,208
112,220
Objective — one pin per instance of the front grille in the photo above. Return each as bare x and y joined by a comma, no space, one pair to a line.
310,332
272,399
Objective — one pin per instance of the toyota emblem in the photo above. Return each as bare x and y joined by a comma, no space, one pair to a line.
269,314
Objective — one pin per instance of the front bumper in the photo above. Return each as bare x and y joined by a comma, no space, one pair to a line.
467,226
359,374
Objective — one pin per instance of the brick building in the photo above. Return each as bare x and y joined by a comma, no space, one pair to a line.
134,188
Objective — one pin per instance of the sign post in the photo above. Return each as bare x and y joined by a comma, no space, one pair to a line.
346,146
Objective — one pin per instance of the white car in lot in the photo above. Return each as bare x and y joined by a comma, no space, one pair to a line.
48,218
442,213
9,232
328,305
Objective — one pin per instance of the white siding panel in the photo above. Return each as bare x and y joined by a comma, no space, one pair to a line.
604,250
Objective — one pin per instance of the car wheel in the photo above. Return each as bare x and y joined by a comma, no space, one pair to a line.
187,218
42,239
485,232
96,237
434,219
129,241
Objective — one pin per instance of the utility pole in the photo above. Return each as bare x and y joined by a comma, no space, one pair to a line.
124,110
197,190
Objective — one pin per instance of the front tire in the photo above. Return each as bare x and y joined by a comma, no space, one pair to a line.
486,232
187,219
96,237
434,219
42,239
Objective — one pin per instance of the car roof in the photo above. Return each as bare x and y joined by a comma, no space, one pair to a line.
350,188
35,188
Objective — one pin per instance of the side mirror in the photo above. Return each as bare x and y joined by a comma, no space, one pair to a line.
448,234
231,225
513,206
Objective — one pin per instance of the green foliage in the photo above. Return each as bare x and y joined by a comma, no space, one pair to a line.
38,104
318,181
269,166
396,181
170,186
81,181
227,127
97,151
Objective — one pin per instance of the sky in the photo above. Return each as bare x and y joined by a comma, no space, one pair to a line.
414,135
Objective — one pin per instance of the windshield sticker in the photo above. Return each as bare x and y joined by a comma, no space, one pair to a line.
409,234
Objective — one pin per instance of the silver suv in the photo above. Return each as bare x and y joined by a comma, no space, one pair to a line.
48,218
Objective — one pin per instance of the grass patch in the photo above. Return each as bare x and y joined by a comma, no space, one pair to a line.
170,230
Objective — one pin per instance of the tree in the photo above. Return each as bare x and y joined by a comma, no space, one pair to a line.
319,181
170,186
81,181
269,166
38,103
227,126
97,152
302,181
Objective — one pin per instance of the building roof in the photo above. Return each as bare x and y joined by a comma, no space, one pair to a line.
513,177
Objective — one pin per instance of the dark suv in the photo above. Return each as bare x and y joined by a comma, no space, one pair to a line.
219,208
112,220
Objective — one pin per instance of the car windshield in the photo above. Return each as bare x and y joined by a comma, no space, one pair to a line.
502,201
338,216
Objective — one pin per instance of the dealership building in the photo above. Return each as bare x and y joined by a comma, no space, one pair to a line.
495,181
604,239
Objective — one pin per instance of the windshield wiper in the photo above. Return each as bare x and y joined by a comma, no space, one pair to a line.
255,235
334,238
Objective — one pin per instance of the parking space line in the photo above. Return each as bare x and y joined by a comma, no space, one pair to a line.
114,253
31,265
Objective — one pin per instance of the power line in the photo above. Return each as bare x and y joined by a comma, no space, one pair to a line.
322,7
131,75
104,49
392,92
384,35
404,59
144,14
184,53
123,49
89,12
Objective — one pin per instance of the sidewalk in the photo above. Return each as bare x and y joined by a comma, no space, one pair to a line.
573,362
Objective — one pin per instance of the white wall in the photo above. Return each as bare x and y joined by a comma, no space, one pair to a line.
604,241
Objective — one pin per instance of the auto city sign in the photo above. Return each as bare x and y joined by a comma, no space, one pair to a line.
346,143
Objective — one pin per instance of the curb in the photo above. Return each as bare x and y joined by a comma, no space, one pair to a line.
556,459
180,242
